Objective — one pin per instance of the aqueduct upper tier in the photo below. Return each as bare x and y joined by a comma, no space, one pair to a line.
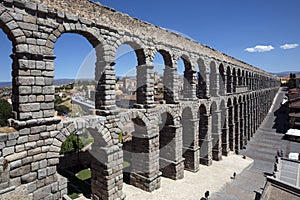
223,102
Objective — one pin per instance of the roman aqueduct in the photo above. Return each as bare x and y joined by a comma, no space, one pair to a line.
219,113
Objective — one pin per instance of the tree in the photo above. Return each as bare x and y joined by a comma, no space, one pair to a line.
62,109
5,112
71,145
292,81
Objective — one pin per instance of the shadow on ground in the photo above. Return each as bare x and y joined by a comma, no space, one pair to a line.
281,118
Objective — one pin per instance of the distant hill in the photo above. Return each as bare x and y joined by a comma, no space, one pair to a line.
63,81
286,73
56,82
5,84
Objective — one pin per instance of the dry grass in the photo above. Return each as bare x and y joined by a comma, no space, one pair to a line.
7,129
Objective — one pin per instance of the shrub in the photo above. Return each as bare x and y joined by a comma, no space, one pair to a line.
71,145
5,112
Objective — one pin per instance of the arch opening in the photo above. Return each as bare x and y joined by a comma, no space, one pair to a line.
126,76
74,76
8,103
201,90
186,75
203,135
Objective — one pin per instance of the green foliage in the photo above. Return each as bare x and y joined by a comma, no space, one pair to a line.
292,81
58,100
120,138
71,145
5,112
84,174
62,109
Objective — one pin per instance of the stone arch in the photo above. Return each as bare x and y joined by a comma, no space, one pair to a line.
189,139
11,28
234,80
16,36
188,78
170,148
142,68
216,131
243,78
236,124
224,128
168,77
92,35
136,45
103,63
229,80
170,111
213,79
103,153
125,118
231,124
239,77
222,80
241,120
202,85
204,136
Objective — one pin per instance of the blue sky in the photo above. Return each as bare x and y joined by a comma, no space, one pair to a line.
263,33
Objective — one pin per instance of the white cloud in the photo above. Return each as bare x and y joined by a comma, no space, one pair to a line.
289,46
260,48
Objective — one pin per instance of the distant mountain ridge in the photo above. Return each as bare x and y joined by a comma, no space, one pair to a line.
286,73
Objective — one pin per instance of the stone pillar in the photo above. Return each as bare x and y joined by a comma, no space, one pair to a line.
107,174
171,162
105,98
33,89
207,77
191,148
202,91
229,84
205,141
250,134
254,117
170,85
225,134
189,86
231,128
241,120
224,88
145,172
145,86
237,129
217,136
246,119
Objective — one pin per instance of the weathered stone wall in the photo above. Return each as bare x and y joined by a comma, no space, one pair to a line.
233,99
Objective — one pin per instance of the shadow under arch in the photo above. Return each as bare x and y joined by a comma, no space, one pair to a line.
103,154
170,148
204,136
190,140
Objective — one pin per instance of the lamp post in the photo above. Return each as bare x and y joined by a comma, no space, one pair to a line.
77,134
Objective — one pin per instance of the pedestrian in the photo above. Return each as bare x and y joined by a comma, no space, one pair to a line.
275,167
276,159
234,175
278,152
206,194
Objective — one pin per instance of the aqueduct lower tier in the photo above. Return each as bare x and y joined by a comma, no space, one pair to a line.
222,105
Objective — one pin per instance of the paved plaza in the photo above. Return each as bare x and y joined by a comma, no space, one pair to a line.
194,185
